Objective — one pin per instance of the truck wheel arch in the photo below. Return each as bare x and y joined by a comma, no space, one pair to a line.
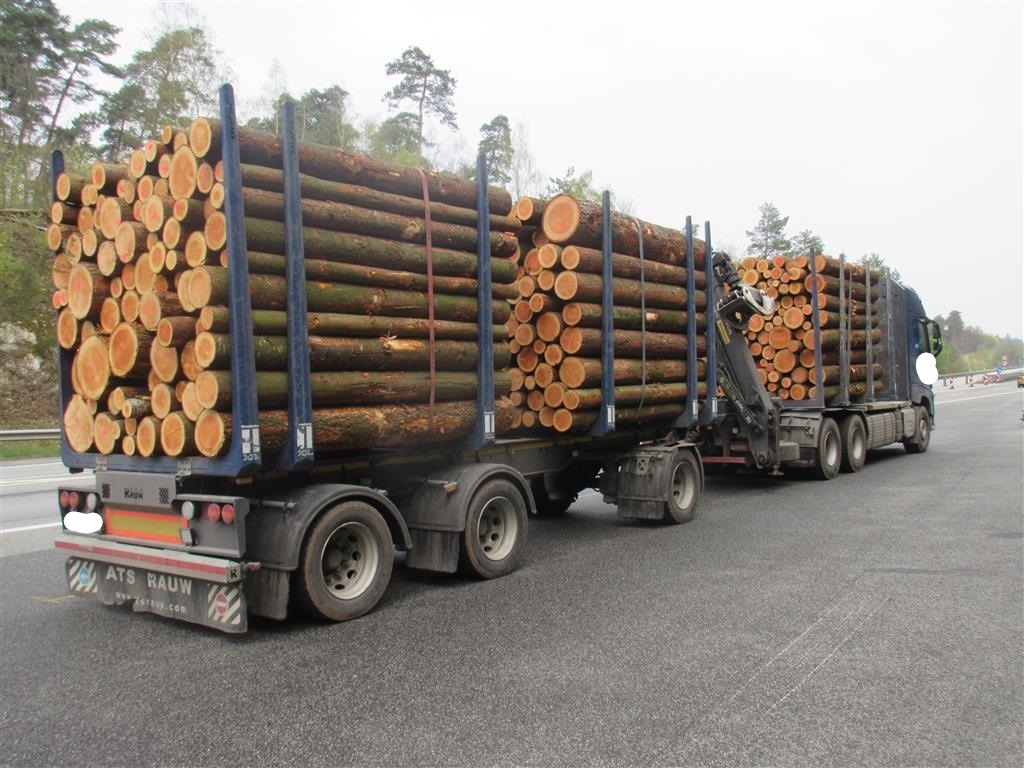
284,521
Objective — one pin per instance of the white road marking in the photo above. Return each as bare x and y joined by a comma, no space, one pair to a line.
943,403
29,528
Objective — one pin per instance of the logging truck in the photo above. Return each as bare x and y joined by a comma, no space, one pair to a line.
289,363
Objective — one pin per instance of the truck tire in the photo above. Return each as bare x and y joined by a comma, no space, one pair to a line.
829,453
855,444
495,537
346,563
922,432
684,490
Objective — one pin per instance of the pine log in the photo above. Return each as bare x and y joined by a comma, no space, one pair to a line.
261,148
578,421
67,329
209,285
590,260
591,315
269,236
107,432
830,338
106,175
183,171
130,241
128,349
342,217
272,180
568,220
213,388
78,424
361,427
177,434
359,274
653,392
584,287
86,290
579,372
529,210
175,331
111,214
164,362
271,322
345,354
628,344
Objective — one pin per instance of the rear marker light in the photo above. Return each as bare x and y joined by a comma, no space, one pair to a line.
64,499
73,499
91,501
227,513
188,510
212,511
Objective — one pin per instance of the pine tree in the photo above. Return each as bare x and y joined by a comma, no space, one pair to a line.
768,238
430,88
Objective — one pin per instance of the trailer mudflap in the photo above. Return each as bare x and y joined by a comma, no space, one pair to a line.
172,591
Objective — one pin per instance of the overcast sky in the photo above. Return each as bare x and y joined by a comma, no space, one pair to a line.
892,127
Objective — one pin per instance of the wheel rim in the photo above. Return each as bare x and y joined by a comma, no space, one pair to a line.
857,445
497,528
922,431
831,452
348,562
684,488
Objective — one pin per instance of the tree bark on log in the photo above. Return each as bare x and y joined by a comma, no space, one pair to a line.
568,220
359,428
580,372
213,351
260,148
269,236
580,286
209,285
628,344
590,260
331,388
274,323
343,217
272,180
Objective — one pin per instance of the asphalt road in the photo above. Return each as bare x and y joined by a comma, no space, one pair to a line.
877,619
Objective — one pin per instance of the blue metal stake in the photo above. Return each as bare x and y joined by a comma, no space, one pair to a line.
484,431
710,412
245,434
606,419
298,452
690,411
64,356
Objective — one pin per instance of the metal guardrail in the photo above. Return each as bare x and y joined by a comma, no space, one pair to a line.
18,435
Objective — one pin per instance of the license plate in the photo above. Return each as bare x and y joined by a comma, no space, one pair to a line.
220,606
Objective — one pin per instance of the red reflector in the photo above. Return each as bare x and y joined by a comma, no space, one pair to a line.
73,499
64,499
212,511
227,513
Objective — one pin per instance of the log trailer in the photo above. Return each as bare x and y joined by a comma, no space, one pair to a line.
212,540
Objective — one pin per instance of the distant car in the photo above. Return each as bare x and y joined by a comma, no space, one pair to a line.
1020,381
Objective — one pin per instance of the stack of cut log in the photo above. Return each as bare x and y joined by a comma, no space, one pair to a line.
141,275
784,345
555,328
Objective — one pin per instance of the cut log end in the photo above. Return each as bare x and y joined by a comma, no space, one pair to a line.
177,434
183,172
211,434
200,136
78,425
92,365
561,218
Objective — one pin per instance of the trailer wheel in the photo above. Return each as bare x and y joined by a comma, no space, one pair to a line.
346,563
495,535
855,444
684,490
922,432
829,452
